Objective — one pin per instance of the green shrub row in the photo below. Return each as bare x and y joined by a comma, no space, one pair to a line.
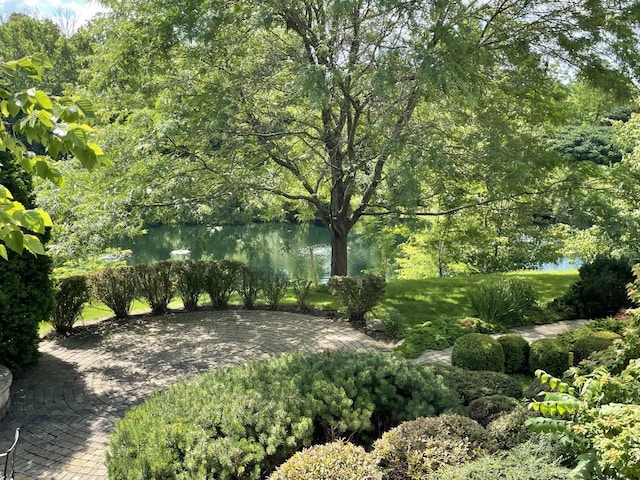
158,282
242,422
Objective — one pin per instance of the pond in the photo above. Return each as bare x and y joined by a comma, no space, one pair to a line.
300,251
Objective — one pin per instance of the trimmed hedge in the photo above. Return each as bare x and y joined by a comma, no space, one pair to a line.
585,346
516,353
550,355
470,385
419,448
220,279
358,295
485,410
116,288
189,284
242,422
336,461
155,283
478,351
71,294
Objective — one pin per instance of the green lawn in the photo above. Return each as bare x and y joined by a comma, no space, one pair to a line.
428,308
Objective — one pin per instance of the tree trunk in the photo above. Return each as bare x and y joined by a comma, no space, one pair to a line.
339,235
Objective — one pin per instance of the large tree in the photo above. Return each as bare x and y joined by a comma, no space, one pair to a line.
316,101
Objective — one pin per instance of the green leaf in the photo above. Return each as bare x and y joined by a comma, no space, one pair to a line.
43,100
5,194
3,252
33,244
13,238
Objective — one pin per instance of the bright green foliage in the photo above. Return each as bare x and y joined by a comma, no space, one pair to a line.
597,417
33,118
509,430
586,345
70,295
154,281
358,295
550,355
478,351
250,285
336,461
116,288
26,290
504,302
601,290
301,289
485,410
242,422
470,385
419,448
432,335
537,459
274,288
516,353
220,279
188,274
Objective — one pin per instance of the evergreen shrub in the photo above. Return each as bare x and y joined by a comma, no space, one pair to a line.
358,295
509,429
585,346
242,422
420,447
537,459
550,355
188,282
274,289
155,284
26,288
116,288
220,279
516,353
601,290
478,351
338,460
484,410
71,294
250,283
470,385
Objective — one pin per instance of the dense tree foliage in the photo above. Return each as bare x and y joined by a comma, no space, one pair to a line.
329,105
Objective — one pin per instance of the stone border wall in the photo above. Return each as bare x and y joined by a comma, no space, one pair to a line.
5,391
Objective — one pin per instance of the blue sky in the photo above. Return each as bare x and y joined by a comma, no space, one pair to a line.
83,9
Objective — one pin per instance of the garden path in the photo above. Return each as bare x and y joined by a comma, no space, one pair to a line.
66,404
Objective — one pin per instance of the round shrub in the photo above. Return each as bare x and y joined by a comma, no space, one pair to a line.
70,295
242,422
595,342
337,461
537,459
116,288
550,355
419,448
470,385
516,353
478,351
509,430
486,409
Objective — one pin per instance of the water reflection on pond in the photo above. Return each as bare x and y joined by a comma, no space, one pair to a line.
291,249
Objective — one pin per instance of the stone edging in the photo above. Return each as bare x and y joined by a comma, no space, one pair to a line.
5,386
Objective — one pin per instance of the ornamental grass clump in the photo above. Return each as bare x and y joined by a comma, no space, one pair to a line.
503,302
242,422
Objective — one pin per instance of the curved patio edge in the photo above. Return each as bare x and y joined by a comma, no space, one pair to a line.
5,387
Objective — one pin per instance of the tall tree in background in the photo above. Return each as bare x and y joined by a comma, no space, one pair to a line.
316,101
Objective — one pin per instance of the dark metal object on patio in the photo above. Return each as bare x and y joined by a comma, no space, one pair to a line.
9,457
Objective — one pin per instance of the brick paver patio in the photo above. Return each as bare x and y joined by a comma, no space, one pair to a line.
66,404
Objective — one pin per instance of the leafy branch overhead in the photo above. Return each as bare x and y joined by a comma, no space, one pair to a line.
38,129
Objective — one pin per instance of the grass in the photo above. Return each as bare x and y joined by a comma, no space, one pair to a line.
429,308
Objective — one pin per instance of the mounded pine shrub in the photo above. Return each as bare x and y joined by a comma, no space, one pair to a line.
478,351
550,355
420,447
470,385
242,422
116,288
516,353
338,460
155,283
71,294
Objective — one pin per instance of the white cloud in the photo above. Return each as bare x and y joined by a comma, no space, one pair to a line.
84,10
